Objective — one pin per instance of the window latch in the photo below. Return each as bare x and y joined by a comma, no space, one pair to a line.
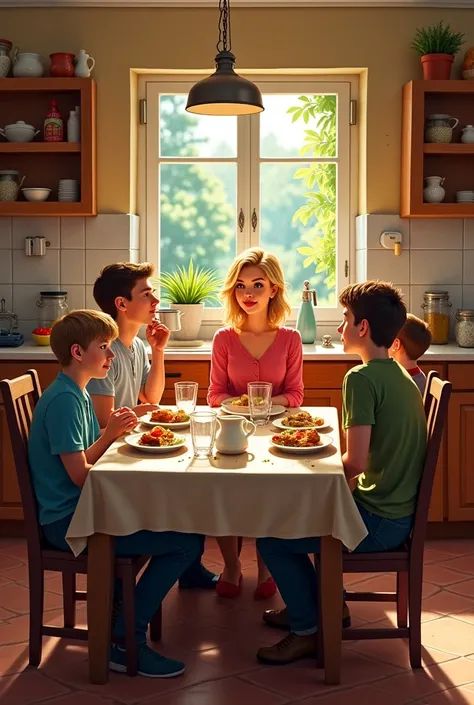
241,220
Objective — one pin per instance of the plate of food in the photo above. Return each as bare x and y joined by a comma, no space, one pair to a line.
166,418
301,420
240,406
159,440
301,441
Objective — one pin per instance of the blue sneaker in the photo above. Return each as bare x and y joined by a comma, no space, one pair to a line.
197,576
150,663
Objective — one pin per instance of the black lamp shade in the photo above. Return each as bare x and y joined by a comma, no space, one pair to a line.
224,92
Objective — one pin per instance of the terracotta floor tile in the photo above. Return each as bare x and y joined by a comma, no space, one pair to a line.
15,598
80,699
362,695
17,550
465,564
455,696
465,588
467,616
448,634
7,562
440,575
455,547
387,583
446,602
228,691
27,688
432,554
455,672
16,630
414,685
20,574
395,652
13,658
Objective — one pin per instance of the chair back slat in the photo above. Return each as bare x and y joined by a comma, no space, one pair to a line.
436,401
20,396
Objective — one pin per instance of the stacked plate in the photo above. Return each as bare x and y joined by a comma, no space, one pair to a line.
68,190
465,196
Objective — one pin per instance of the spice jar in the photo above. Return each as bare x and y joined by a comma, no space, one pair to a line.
464,328
53,305
436,307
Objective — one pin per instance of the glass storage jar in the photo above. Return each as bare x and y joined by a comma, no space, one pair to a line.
52,305
464,328
436,307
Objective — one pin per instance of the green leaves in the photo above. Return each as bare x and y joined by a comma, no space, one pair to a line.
191,285
437,39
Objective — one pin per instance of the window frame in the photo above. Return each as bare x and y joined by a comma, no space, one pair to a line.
248,160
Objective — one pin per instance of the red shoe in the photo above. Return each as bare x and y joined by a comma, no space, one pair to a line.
226,589
265,590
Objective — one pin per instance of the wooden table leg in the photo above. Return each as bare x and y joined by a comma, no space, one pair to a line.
100,581
331,612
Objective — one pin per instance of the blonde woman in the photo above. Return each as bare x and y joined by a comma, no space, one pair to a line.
254,347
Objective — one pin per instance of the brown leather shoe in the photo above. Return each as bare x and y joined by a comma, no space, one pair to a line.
292,648
278,619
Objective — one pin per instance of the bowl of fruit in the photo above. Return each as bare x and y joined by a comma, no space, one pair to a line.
41,336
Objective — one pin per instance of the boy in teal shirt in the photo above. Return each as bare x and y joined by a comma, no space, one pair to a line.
65,441
385,426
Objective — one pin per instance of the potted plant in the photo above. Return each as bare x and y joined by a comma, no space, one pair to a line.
186,290
437,46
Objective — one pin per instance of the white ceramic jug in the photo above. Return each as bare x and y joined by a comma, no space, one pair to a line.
434,191
468,134
232,437
27,65
82,69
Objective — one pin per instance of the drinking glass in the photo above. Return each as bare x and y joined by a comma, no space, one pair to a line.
260,401
186,396
203,432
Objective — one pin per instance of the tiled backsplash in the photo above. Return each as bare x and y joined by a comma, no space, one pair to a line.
435,254
78,249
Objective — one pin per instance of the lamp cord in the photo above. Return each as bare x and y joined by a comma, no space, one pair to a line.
224,27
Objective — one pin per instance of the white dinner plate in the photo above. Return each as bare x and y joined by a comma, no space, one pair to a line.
279,424
132,440
146,419
325,442
276,409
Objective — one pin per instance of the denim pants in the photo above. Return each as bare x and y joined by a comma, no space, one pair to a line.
294,573
171,553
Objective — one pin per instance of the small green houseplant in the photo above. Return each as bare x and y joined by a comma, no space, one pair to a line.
187,289
437,46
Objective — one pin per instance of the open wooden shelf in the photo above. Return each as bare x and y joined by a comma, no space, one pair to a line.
47,147
454,162
44,164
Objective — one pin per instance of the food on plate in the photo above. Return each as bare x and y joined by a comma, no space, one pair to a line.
302,418
240,401
169,416
159,437
297,439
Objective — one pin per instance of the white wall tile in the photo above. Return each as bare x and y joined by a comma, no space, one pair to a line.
361,232
76,295
377,223
27,326
35,227
73,266
361,265
36,270
111,232
433,234
25,297
98,259
6,292
468,276
383,264
436,266
468,297
469,234
90,301
5,233
6,266
73,233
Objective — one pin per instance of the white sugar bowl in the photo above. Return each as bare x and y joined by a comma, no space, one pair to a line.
19,132
468,134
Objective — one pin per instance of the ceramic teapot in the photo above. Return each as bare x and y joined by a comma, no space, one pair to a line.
232,437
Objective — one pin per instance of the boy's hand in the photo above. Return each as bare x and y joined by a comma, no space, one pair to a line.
157,335
143,409
120,421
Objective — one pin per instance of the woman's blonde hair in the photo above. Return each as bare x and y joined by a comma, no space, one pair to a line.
278,307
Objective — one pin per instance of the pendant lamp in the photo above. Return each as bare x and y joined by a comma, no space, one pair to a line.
224,92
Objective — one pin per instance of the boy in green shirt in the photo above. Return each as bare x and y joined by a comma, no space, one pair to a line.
385,427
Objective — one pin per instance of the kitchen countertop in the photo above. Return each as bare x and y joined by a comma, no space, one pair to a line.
445,353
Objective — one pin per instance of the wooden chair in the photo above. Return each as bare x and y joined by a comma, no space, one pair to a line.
406,562
20,396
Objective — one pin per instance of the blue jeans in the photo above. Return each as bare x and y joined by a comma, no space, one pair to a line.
294,573
171,553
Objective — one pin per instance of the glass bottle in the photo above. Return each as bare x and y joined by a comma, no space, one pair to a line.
53,305
53,124
436,313
306,322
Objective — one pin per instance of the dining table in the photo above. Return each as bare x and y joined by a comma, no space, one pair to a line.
263,492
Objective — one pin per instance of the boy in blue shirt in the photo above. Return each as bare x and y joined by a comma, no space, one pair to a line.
65,442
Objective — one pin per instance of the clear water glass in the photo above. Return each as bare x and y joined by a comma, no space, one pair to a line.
186,396
203,432
260,401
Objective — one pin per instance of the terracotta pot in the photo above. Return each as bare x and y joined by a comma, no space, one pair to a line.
437,67
61,65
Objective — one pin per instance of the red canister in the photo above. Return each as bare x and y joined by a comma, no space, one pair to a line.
61,65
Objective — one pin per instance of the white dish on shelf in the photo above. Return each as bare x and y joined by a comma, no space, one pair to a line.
36,194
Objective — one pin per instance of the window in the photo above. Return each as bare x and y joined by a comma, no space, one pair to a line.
214,186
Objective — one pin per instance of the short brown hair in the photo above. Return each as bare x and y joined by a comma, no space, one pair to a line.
118,279
381,305
80,328
415,336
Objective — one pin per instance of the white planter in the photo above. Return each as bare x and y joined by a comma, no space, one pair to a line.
190,321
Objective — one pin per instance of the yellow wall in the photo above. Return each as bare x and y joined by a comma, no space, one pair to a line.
122,39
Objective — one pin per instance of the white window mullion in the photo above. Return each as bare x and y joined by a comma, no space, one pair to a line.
254,181
343,221
152,138
243,180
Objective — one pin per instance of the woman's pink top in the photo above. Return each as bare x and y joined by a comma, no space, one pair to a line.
232,366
